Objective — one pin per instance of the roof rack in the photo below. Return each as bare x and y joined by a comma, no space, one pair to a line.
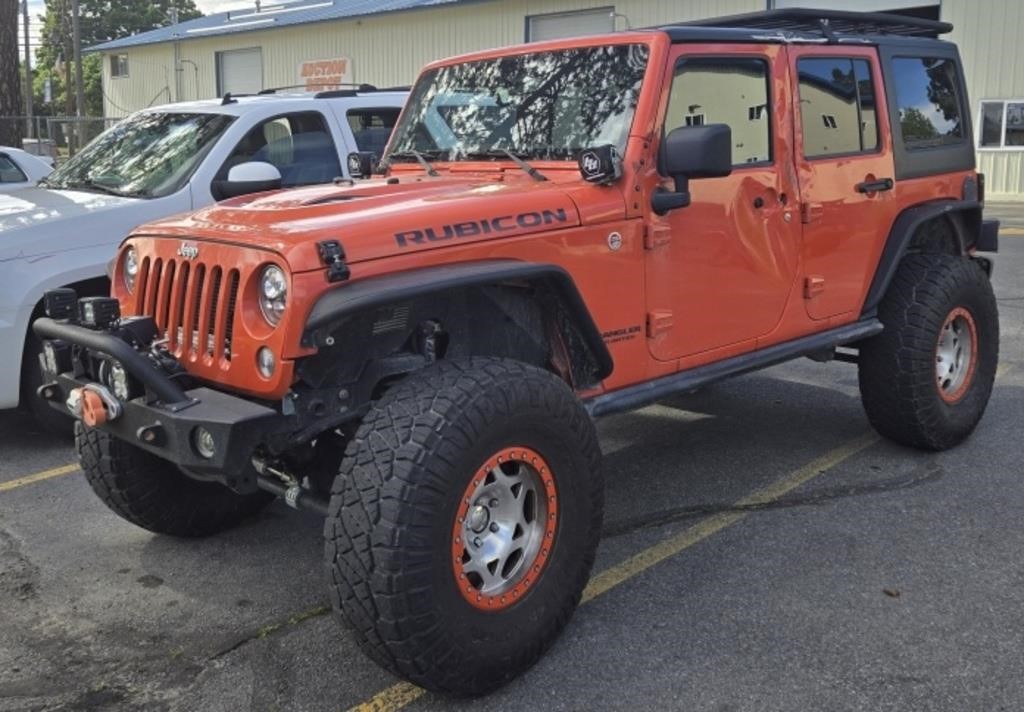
333,85
832,22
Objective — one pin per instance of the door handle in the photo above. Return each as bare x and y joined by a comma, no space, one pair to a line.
875,186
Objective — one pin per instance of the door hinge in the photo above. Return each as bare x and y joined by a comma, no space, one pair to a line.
809,212
658,322
656,236
813,286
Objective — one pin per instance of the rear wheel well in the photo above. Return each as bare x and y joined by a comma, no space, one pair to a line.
939,235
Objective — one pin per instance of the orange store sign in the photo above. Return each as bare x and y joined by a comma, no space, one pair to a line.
324,73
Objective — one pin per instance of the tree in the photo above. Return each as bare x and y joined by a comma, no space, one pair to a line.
10,74
99,21
916,126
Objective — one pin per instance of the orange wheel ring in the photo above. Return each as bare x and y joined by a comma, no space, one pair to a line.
956,355
505,529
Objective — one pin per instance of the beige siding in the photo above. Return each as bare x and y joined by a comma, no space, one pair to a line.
386,50
989,32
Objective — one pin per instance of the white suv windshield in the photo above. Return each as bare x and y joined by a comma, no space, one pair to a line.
146,156
548,105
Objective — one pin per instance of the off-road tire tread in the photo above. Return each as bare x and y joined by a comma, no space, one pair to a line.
153,494
399,435
897,367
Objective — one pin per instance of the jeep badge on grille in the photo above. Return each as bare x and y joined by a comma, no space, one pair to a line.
188,251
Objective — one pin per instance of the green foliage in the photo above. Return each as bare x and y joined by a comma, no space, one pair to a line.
100,21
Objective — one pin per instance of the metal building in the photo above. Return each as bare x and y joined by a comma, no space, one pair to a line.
320,43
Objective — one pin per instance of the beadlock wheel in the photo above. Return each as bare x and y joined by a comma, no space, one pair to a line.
955,355
504,529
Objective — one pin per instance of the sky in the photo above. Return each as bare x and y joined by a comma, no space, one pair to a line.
36,8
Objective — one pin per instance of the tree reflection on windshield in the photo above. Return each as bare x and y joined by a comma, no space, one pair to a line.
149,155
548,105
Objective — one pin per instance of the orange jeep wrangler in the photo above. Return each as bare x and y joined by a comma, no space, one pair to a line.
556,232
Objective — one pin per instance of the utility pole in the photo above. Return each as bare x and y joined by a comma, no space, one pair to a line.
79,86
28,74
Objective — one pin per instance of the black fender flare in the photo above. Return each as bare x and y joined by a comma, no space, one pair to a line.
358,296
963,215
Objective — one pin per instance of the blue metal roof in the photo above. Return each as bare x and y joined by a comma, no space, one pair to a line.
273,14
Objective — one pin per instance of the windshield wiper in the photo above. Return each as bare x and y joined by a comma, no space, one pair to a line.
505,153
89,184
420,158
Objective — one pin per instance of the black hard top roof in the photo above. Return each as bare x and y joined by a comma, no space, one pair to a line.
808,26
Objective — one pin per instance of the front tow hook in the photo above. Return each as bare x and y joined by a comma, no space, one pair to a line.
94,404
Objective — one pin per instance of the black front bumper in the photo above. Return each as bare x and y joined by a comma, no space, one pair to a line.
166,419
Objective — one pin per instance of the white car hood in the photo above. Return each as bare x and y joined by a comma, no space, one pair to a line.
37,220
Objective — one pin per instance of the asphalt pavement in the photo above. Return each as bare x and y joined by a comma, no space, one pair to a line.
763,550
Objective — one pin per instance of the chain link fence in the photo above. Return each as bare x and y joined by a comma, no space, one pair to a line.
58,137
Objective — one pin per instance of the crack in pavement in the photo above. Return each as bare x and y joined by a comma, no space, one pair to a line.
922,474
273,629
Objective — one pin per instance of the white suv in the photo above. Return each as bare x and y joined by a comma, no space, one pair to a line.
156,163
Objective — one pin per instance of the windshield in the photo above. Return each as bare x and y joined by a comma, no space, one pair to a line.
146,156
549,105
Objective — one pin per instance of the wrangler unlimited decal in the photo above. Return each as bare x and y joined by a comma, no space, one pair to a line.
486,226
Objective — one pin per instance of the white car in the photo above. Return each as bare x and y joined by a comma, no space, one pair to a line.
155,163
20,169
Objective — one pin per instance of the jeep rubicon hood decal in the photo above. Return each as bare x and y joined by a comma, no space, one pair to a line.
375,219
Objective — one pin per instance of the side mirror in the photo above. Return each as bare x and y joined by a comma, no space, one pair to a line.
250,177
692,152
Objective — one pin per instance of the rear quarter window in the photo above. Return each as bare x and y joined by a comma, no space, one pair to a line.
928,100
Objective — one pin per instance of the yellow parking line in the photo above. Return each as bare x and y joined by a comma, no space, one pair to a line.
398,696
39,477
1012,231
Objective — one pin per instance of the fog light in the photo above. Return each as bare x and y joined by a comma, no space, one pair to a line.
50,358
119,382
60,303
204,443
98,312
266,362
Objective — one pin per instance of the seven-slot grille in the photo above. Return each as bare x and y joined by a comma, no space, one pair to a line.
193,304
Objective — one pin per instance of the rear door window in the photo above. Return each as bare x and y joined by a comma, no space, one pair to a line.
837,106
371,127
929,102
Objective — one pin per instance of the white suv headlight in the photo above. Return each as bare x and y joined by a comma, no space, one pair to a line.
273,294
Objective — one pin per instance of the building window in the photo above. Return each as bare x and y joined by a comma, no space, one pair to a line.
1002,124
118,65
928,98
724,90
837,106
556,25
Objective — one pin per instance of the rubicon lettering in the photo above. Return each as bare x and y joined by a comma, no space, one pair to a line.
487,226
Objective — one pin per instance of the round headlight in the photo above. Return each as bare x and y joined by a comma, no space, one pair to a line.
131,268
273,294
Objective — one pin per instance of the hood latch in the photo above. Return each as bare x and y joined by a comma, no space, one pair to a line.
333,255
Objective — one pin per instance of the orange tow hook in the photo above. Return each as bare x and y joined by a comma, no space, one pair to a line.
94,410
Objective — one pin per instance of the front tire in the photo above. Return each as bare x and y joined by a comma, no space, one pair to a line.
464,523
925,381
154,494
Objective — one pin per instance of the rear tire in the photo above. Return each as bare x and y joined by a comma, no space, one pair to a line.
925,381
444,461
154,494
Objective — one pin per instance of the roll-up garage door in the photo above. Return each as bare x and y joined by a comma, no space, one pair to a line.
240,71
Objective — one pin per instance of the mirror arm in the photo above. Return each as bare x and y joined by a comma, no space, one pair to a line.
665,200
